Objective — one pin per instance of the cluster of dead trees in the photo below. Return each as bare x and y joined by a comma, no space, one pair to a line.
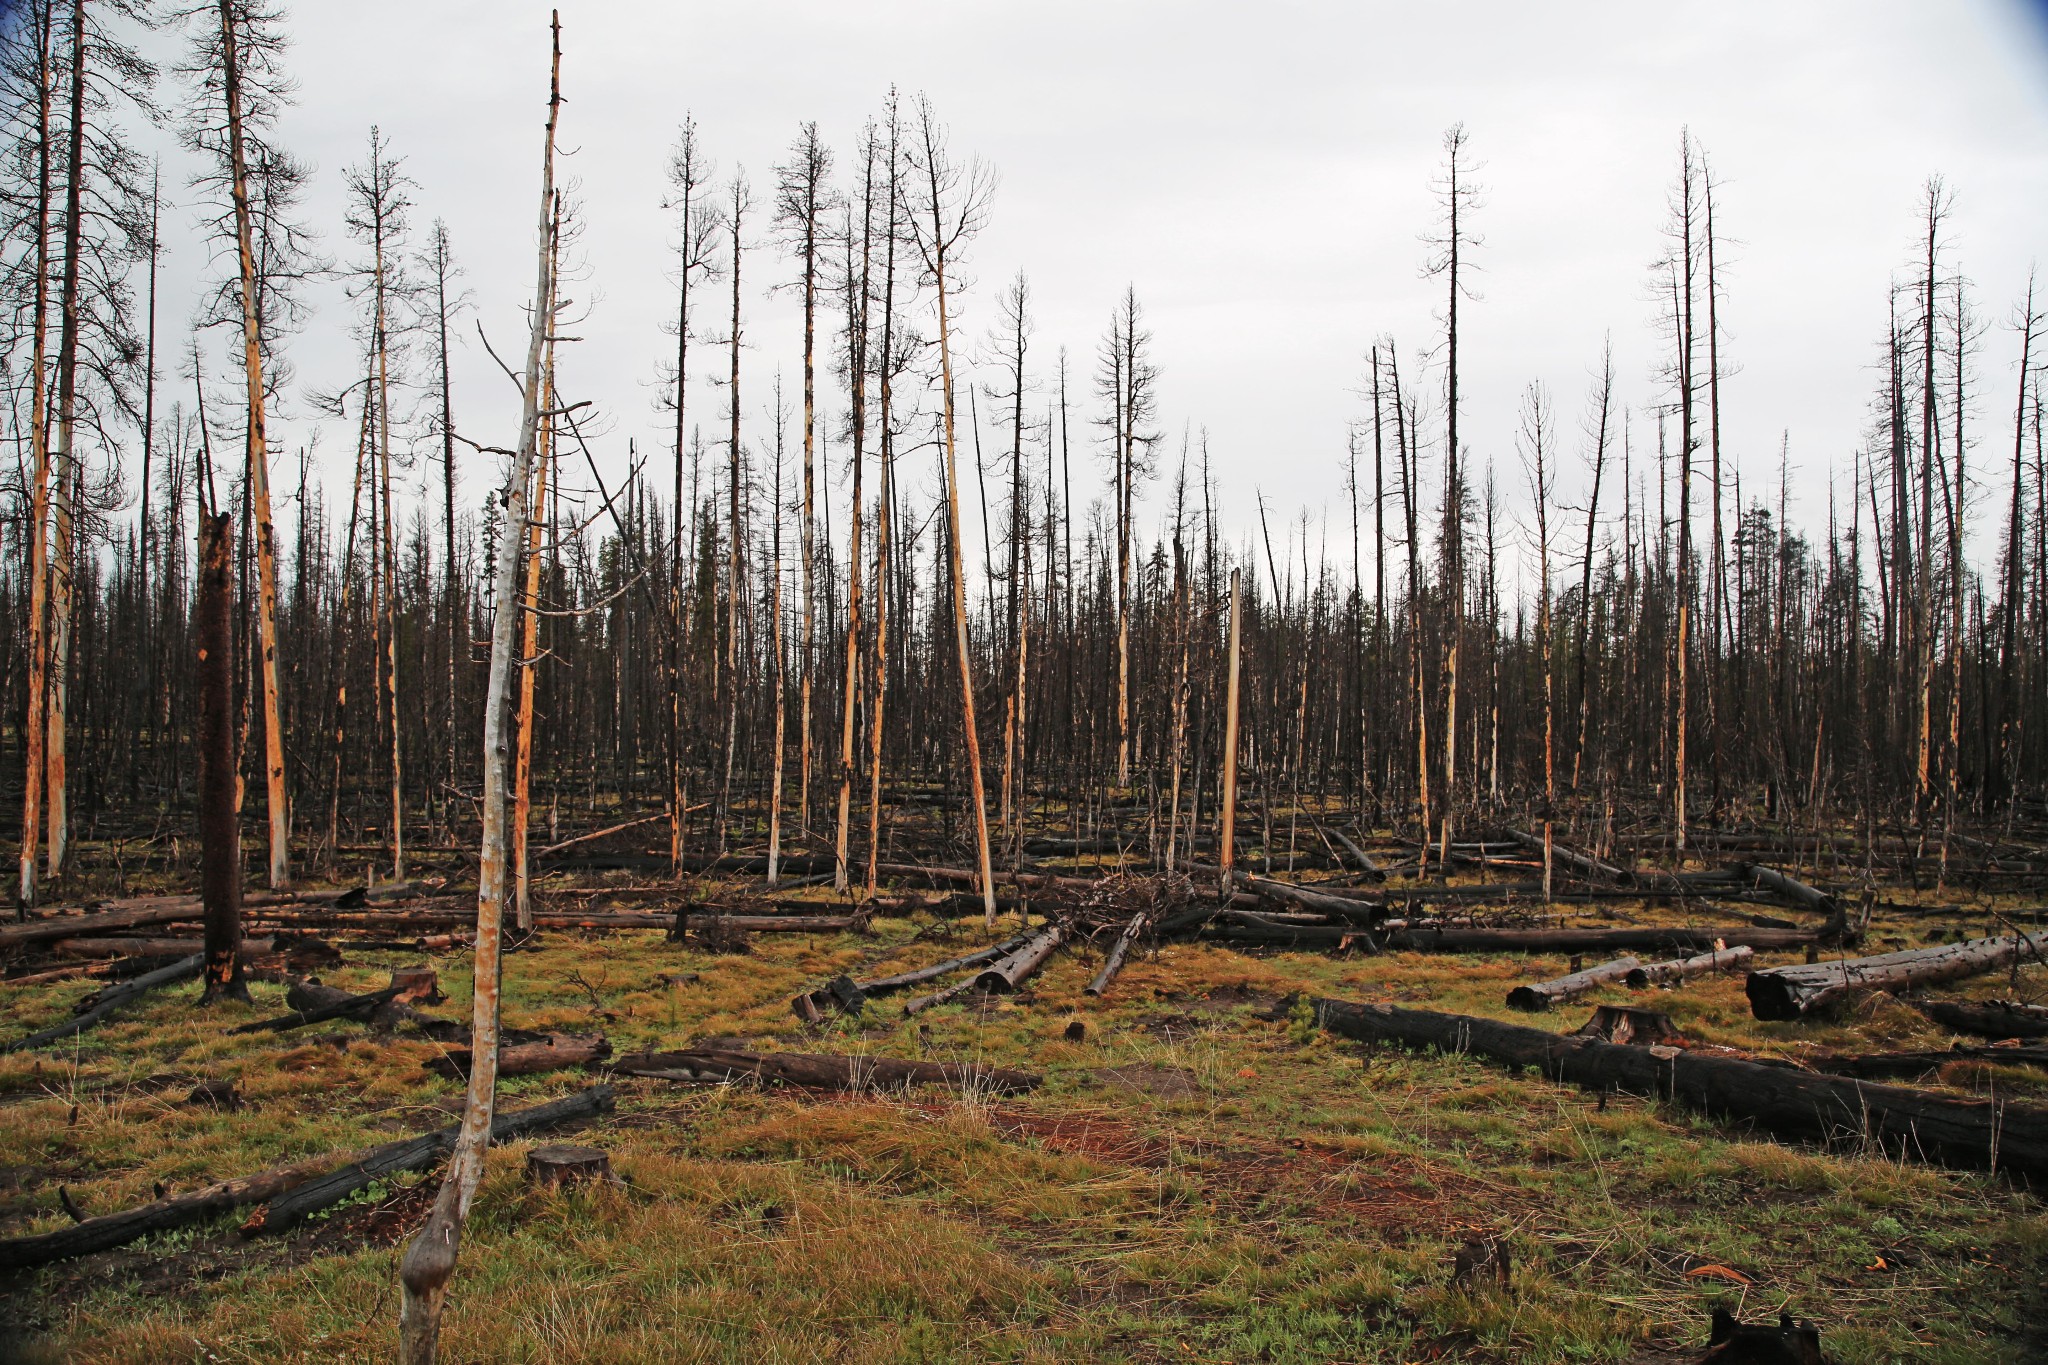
771,633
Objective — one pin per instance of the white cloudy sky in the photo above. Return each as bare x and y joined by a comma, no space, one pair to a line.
1259,173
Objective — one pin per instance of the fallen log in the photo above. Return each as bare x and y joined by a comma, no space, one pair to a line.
1721,959
1432,939
102,1003
1797,892
1883,1064
118,1229
555,1052
414,1154
350,1007
1541,995
310,996
811,1005
1358,907
1989,1018
1121,950
1790,992
1580,863
819,1071
1783,1101
1011,970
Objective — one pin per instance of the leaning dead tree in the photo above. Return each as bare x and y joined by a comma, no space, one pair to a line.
430,1260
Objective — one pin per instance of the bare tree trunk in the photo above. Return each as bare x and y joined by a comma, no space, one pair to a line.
430,1260
220,838
1226,844
936,259
529,630
258,462
39,506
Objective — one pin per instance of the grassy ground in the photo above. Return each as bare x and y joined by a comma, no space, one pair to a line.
1194,1182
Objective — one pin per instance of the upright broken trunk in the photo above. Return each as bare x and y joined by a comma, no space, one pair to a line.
430,1260
220,843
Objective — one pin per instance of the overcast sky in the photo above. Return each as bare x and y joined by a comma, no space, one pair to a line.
1261,175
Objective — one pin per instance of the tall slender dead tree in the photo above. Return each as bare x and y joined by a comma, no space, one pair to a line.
952,207
429,1261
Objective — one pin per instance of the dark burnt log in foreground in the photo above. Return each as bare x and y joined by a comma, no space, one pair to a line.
1780,1100
1540,995
98,1006
1790,992
416,1154
819,1071
1988,1018
291,1192
1720,959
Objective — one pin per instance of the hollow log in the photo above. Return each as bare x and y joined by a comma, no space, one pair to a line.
819,1071
311,1196
1011,970
1988,1018
553,1053
1790,992
1713,960
1541,995
98,1006
118,1229
1783,1101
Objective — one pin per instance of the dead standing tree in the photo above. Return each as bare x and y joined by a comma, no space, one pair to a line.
430,1260
1458,196
220,838
243,90
953,206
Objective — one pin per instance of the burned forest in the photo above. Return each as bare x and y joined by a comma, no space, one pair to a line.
916,852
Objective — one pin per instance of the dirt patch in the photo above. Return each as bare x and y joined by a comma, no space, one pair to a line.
1107,1140
1236,994
1145,1078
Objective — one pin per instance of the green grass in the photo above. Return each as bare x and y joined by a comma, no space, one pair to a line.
1193,1183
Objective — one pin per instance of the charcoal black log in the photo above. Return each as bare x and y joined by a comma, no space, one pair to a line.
1784,1101
1989,1018
819,1071
98,1006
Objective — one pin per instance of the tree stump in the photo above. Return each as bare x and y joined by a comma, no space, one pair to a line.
554,1166
416,985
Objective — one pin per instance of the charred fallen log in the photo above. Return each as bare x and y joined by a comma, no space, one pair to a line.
1790,992
292,1191
1989,1018
819,1071
1797,892
414,1154
98,1006
1783,1101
